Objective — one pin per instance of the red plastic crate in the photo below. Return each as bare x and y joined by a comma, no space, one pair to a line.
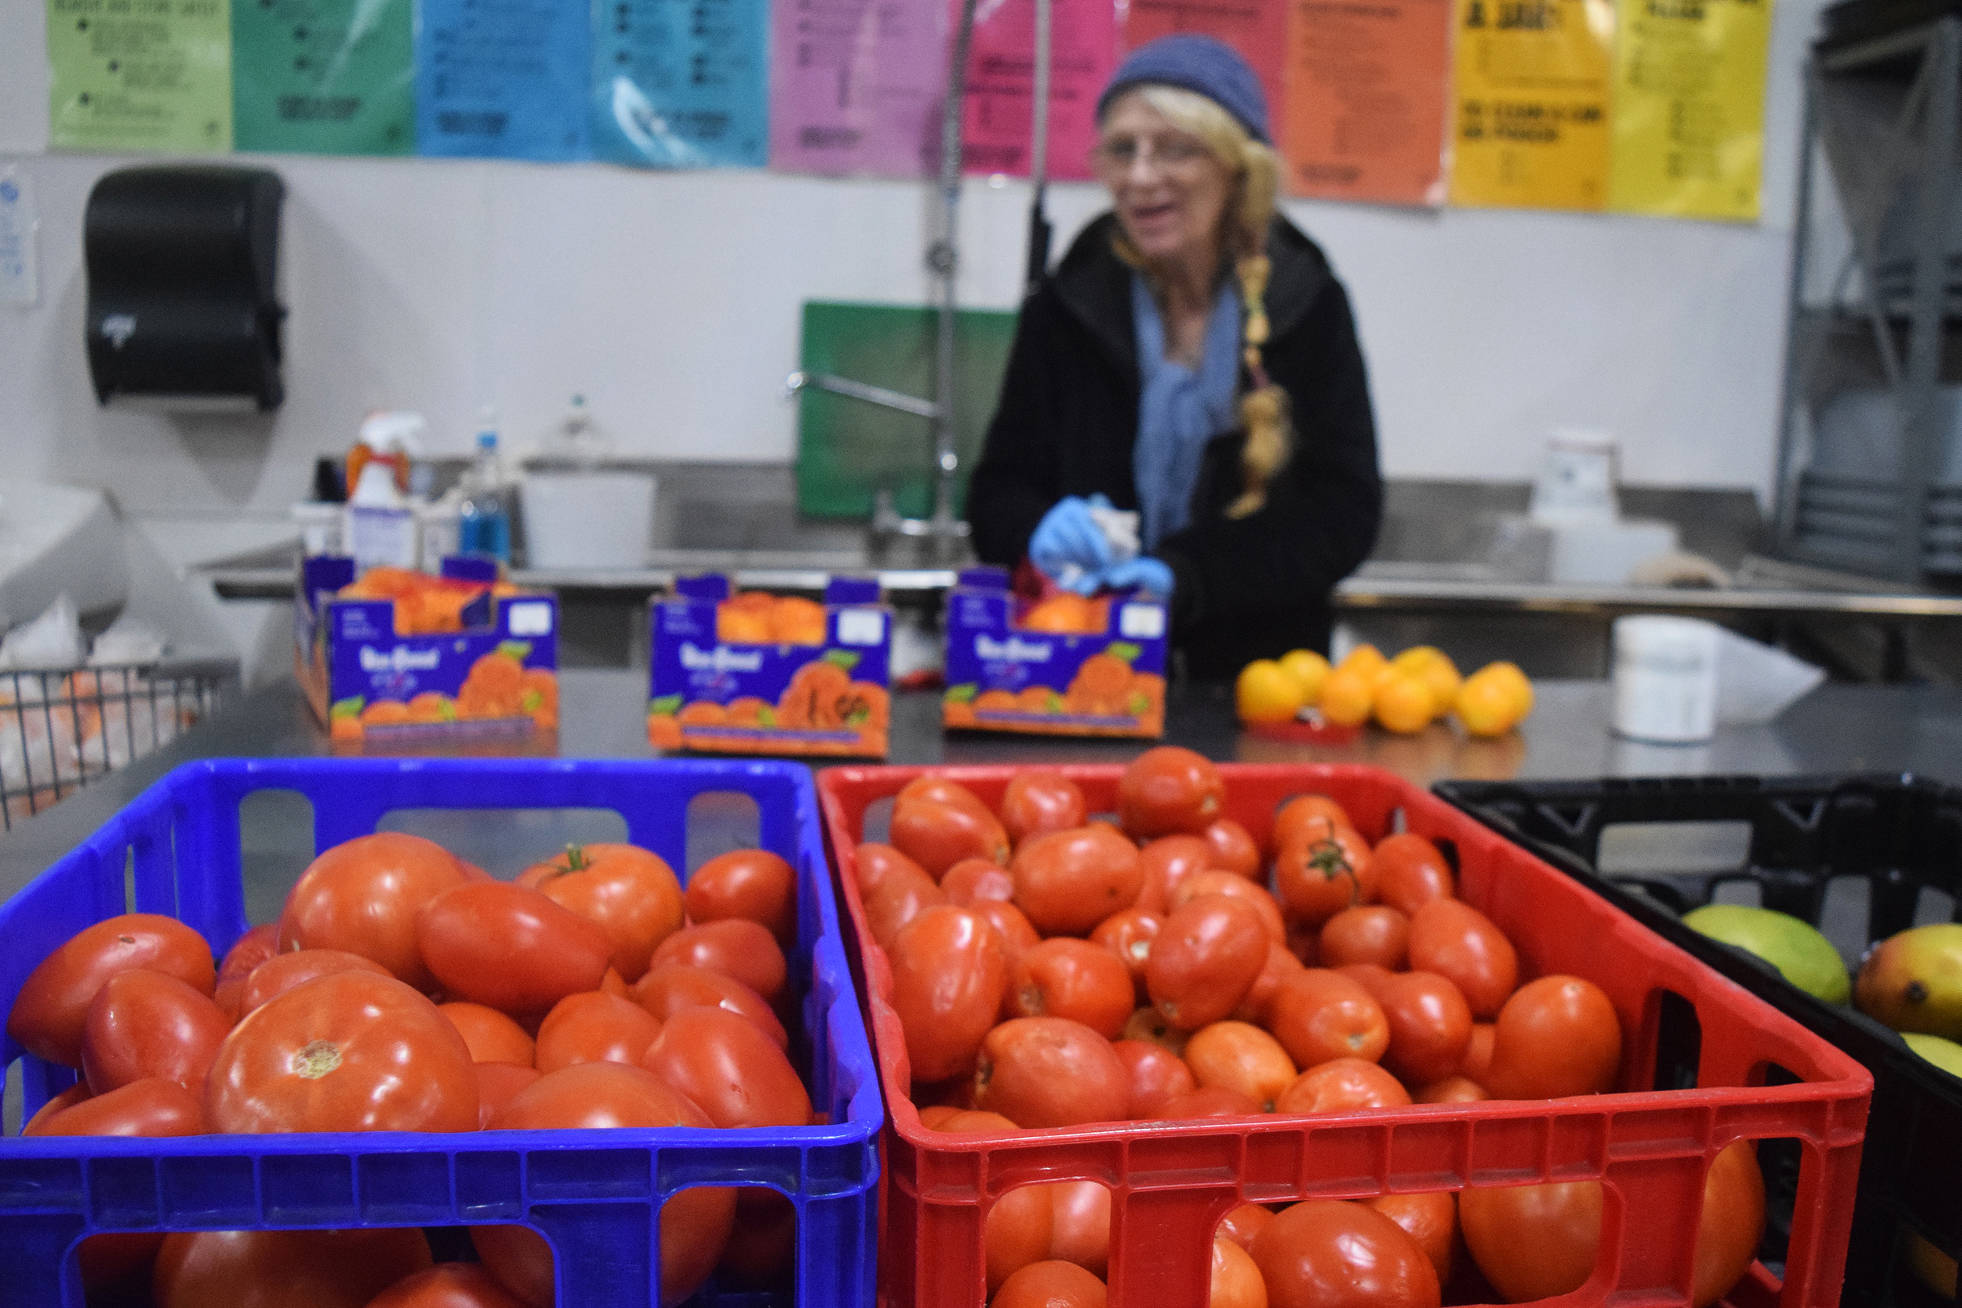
1171,1183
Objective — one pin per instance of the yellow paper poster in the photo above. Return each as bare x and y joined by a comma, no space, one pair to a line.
1689,107
1530,126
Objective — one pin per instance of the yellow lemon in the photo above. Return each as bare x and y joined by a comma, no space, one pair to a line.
1264,692
1435,667
1485,705
1516,684
1308,668
1346,697
1403,703
1366,659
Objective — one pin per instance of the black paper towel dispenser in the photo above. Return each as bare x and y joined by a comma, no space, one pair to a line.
183,300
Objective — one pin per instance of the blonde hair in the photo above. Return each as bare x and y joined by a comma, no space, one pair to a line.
1256,173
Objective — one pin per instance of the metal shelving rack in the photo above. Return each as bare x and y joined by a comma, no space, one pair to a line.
1881,327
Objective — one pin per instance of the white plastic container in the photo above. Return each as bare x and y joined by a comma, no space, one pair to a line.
1665,679
587,519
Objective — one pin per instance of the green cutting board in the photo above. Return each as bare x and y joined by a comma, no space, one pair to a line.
848,449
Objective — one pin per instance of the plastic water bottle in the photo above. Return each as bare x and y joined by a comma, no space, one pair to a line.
486,522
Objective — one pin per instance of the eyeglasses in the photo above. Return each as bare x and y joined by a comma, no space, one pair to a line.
1120,153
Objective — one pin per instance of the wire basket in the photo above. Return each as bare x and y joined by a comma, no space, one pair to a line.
65,728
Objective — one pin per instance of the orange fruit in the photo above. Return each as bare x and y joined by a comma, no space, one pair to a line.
1486,705
1266,693
1516,684
1063,613
1436,669
1403,702
1366,659
1309,669
1347,696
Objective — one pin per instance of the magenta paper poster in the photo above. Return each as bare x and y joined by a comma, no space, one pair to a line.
1001,83
856,86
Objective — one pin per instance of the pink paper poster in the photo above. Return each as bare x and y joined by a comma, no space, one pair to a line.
856,86
1001,83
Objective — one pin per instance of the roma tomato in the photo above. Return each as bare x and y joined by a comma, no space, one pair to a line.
1242,1057
1010,923
1049,1071
363,895
1020,1224
1039,800
282,972
1430,1218
497,1085
510,947
594,1027
1235,1280
258,944
272,1269
1317,878
1072,978
948,973
490,1036
1167,861
68,1098
1128,933
146,1024
902,893
747,883
1478,1053
1450,937
1168,789
974,879
1212,881
1328,1253
1233,848
938,835
1451,1090
1051,1283
345,1052
1243,1223
1308,814
734,1072
1205,959
150,1108
1068,881
1079,1229
1341,1085
939,790
1411,872
873,863
52,1007
1280,965
1430,1025
447,1285
1367,933
1156,1074
762,1248
628,892
1206,1101
1319,1015
1556,1036
671,987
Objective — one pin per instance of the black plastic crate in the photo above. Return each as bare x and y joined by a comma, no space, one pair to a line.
1860,857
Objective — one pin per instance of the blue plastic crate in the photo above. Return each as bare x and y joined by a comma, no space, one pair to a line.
595,1195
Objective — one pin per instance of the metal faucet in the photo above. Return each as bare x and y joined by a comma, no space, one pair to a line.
942,528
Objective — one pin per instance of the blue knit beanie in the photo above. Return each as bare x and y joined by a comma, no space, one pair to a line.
1196,63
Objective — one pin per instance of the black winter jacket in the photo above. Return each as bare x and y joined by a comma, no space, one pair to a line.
1067,421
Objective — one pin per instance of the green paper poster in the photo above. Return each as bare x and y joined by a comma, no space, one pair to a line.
140,75
324,76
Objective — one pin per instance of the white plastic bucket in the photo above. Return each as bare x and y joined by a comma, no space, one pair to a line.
1665,679
587,519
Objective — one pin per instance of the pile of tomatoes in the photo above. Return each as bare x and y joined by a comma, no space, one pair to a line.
403,989
1050,970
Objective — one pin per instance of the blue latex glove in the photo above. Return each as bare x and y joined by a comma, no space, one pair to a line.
1068,545
1154,576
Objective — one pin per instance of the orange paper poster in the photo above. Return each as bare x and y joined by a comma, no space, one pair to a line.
1366,99
1256,28
1534,80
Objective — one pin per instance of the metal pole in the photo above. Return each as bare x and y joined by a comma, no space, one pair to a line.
1039,151
944,261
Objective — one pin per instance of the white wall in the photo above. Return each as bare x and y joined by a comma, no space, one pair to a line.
671,300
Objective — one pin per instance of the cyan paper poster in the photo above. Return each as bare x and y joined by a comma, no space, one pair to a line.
503,78
681,83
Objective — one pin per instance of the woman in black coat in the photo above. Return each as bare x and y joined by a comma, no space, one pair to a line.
1194,359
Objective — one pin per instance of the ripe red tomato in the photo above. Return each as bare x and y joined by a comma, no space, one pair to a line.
53,1004
902,892
1168,789
497,1085
258,944
671,987
1010,923
154,1107
1318,876
363,896
282,972
873,863
1068,881
1430,1218
1411,872
1167,861
1450,937
1039,800
1233,848
595,1027
1049,1071
1079,1229
1451,1090
1341,1085
1367,933
1556,1036
762,1248
448,1285
345,1052
1065,977
1051,1283
974,879
1243,1223
1328,1253
1156,1074
68,1098
1280,965
938,790
1430,1025
1235,1281
272,1269
1478,1053
510,947
729,1068
1212,881
629,892
948,973
695,1223
490,1036
748,883
938,835
1205,959
146,1024
1206,1101
1128,933
1020,1224
1242,1057
1319,1015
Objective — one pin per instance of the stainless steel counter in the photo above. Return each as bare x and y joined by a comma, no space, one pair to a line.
1838,728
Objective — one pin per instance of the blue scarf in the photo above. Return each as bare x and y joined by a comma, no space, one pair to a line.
1180,409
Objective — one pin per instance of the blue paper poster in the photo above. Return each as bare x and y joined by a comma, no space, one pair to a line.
681,83
503,79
